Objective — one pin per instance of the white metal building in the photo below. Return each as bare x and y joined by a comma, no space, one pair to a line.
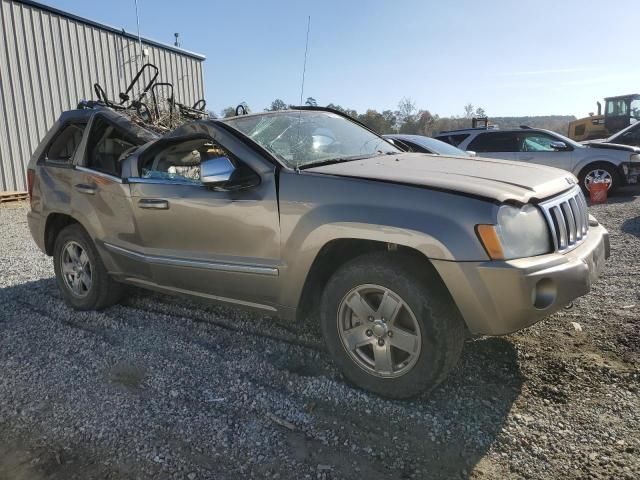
49,61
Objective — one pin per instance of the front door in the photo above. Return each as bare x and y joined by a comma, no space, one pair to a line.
221,243
536,147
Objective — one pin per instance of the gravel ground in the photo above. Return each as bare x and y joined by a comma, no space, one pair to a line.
167,388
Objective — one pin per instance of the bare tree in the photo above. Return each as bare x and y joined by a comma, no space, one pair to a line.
406,108
468,110
276,105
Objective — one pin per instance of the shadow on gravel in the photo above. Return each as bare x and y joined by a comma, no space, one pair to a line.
632,226
474,403
465,416
442,435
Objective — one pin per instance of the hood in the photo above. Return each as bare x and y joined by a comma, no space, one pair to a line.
499,180
611,146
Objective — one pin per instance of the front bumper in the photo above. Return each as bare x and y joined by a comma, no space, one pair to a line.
630,172
500,297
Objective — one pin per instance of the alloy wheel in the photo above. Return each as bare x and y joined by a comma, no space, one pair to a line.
599,175
76,269
379,331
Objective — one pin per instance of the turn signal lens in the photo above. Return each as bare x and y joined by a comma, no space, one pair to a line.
490,241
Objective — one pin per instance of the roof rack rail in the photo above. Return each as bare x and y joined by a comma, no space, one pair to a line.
525,127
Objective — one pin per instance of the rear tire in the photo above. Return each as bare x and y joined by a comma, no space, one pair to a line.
81,276
399,356
604,170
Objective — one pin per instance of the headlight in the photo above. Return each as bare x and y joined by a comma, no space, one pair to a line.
520,232
635,157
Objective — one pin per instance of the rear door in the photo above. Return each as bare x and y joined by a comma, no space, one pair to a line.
535,147
98,196
495,144
55,166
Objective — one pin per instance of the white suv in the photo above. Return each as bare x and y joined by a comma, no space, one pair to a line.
615,164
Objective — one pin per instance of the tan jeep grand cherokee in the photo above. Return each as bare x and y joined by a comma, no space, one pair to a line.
304,211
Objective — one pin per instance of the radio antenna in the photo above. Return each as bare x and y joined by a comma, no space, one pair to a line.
306,50
139,39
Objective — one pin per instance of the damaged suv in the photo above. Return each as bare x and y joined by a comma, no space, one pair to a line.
306,211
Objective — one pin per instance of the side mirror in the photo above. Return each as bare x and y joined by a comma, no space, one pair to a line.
559,146
471,153
216,171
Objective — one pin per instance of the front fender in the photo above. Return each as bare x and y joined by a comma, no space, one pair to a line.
299,265
597,159
318,209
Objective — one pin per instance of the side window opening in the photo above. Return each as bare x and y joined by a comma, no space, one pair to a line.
414,147
536,142
181,163
64,146
402,145
107,147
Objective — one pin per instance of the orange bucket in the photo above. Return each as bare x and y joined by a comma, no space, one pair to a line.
598,192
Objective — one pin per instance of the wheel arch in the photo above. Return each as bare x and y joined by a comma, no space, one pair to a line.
618,175
55,223
582,166
337,252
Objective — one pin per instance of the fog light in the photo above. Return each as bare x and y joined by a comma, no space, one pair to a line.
544,294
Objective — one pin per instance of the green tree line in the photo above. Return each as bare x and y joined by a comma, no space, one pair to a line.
410,119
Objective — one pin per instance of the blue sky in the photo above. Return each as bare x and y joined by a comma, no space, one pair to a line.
510,57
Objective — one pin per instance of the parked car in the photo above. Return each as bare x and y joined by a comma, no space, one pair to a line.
629,136
422,144
614,164
306,211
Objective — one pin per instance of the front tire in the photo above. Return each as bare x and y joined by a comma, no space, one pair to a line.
81,276
391,328
599,170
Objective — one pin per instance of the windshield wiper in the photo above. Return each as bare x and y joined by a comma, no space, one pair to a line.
332,161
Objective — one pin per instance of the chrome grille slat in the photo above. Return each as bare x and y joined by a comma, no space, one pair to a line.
571,222
563,241
568,219
577,217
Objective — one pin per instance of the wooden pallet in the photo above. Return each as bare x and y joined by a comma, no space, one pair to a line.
13,196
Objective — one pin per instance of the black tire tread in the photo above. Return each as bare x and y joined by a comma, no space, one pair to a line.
400,271
108,292
609,167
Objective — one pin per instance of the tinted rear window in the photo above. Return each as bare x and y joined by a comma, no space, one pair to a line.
454,140
494,142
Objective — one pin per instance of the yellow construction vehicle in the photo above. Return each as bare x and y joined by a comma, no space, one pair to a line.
619,113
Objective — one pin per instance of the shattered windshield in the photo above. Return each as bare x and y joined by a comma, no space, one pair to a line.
305,138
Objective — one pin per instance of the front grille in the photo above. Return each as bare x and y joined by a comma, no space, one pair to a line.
568,219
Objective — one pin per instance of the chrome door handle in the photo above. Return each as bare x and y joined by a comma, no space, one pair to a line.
86,188
155,203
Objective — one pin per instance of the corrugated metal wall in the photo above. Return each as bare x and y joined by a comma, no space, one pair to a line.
49,61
